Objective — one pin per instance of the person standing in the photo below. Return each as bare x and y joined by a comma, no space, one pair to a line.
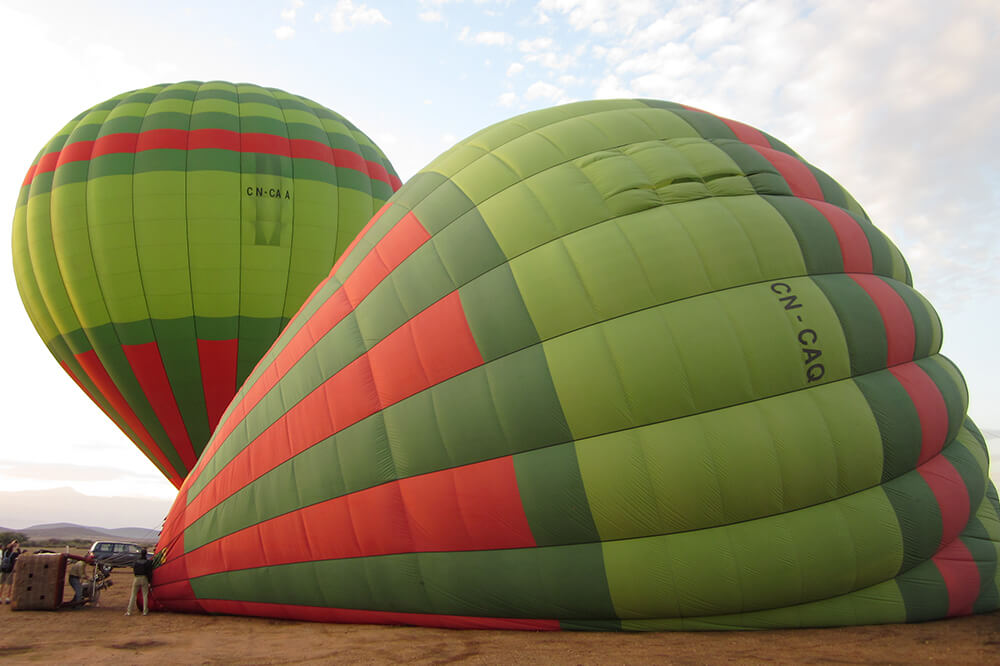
142,574
77,572
7,561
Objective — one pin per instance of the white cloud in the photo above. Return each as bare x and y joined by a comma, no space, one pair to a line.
488,38
535,45
431,16
289,13
284,32
508,99
348,16
515,69
544,90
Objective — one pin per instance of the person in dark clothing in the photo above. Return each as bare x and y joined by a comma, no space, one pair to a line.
7,561
142,574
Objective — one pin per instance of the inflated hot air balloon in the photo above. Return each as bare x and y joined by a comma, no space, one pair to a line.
610,365
163,239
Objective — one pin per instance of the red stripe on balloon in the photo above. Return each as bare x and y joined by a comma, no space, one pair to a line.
355,616
798,176
746,134
932,413
390,251
218,139
951,494
435,345
218,361
91,364
961,577
147,366
472,507
854,246
897,319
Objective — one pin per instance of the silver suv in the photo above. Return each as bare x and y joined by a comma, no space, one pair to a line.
115,553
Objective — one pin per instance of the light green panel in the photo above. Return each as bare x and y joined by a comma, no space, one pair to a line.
162,242
214,105
112,236
46,268
301,116
730,465
653,257
26,283
807,555
72,247
878,604
258,108
542,208
315,242
169,105
666,362
213,220
263,275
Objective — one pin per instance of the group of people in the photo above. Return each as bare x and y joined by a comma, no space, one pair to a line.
142,574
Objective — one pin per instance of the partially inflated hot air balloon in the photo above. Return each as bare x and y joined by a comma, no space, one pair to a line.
611,365
163,238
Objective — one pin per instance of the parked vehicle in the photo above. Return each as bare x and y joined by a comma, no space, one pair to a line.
115,553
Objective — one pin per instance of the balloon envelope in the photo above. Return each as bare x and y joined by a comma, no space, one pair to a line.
611,365
163,238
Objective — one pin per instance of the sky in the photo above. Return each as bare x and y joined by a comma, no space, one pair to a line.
897,100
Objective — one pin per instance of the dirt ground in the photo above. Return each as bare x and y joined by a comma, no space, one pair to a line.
103,635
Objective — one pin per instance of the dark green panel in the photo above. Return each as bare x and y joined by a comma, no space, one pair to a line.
213,159
174,120
261,125
861,321
974,476
496,313
553,495
881,254
984,554
467,248
924,319
525,583
763,177
919,518
708,126
420,187
214,119
121,125
221,328
442,206
70,172
112,164
897,419
832,191
817,239
924,593
179,351
160,159
256,335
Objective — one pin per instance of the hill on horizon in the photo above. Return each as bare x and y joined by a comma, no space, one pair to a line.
73,532
20,510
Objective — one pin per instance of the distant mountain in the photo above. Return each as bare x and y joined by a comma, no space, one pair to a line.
20,509
72,531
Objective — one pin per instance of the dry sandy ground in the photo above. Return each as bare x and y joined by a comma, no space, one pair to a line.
105,636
